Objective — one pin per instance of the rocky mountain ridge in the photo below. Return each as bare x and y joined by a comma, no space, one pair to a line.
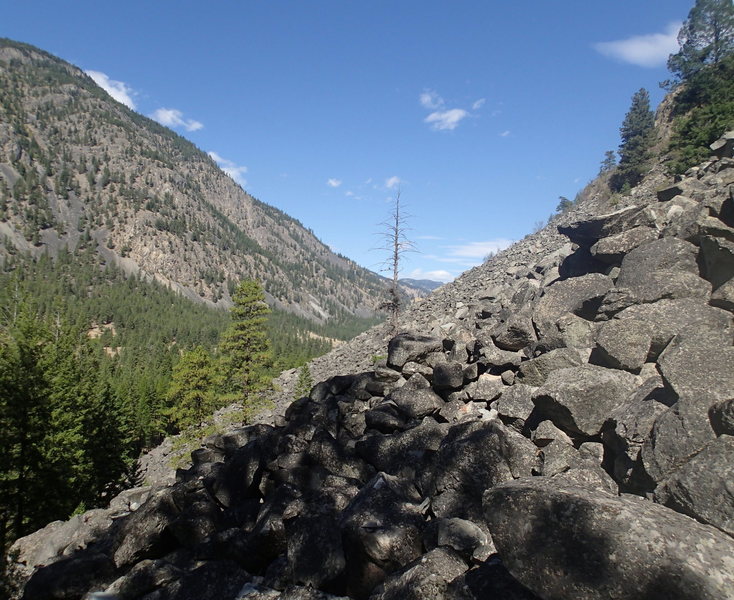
79,169
557,423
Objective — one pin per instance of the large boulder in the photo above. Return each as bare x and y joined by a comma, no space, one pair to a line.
474,456
579,295
579,400
703,487
534,372
564,541
426,577
410,347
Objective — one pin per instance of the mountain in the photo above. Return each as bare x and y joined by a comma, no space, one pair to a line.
78,169
420,286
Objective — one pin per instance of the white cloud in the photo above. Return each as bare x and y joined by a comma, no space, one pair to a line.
650,50
119,90
392,182
447,119
478,104
335,183
232,169
478,249
431,100
171,117
438,275
505,133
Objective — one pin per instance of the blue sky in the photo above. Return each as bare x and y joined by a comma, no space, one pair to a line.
482,113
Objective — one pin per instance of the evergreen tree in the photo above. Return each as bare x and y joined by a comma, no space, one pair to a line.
705,38
245,346
304,383
636,133
564,204
609,162
191,394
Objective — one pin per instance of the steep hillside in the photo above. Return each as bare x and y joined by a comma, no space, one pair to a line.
79,169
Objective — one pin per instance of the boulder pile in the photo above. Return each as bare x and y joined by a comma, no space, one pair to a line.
563,430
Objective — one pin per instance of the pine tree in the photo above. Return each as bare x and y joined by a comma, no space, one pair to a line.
636,133
191,394
609,162
705,38
245,346
304,383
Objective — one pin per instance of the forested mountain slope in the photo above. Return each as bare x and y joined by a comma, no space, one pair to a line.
79,169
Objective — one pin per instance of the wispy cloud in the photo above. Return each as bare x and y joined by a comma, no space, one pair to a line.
232,169
335,183
650,50
392,182
505,133
119,90
478,249
438,275
447,119
171,117
431,100
442,118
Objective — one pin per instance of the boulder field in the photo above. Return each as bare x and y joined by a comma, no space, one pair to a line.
562,427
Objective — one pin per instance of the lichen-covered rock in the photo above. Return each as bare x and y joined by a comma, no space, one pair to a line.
409,347
565,541
579,400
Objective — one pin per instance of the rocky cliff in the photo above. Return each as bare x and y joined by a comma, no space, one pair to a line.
558,423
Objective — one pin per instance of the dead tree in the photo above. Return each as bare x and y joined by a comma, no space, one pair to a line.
396,243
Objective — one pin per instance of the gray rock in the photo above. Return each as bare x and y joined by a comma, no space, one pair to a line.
698,362
144,577
487,387
461,535
718,260
515,333
703,488
69,577
497,358
677,434
664,254
415,400
144,532
477,455
546,432
534,372
669,317
623,344
410,347
588,231
448,376
580,399
569,331
490,580
576,542
723,297
426,577
395,452
580,296
515,405
381,532
721,416
613,248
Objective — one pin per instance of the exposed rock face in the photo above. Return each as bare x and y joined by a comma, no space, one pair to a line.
555,424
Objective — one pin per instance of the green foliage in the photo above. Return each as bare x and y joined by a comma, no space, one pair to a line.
634,151
60,428
191,394
245,346
706,38
304,383
704,110
564,204
609,162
